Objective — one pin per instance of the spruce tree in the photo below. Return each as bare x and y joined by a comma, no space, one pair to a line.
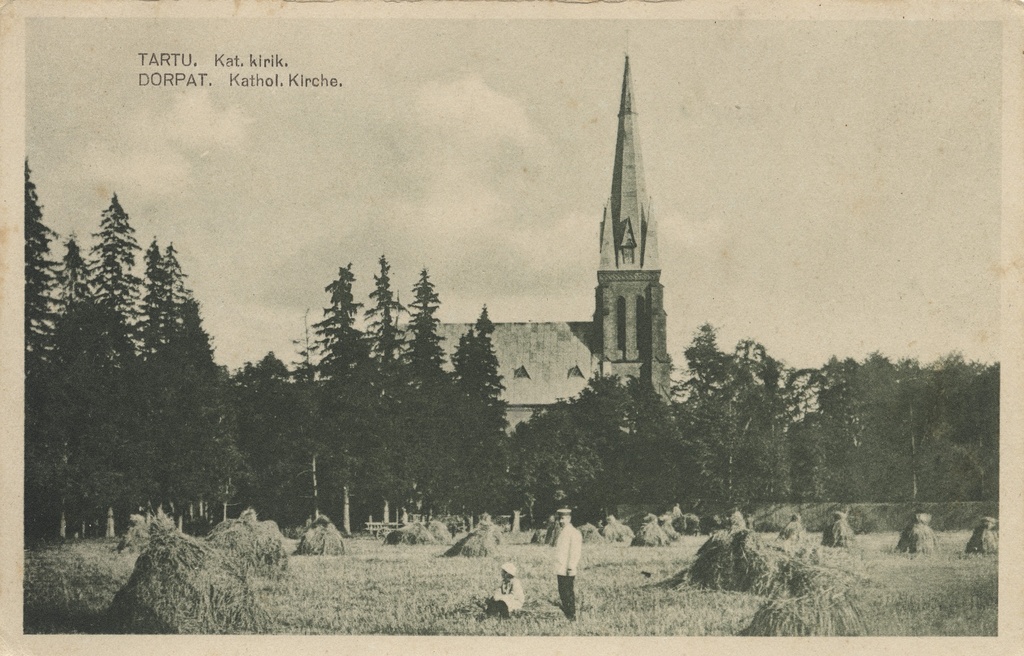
39,278
157,306
382,317
116,286
72,278
483,445
476,364
425,355
340,344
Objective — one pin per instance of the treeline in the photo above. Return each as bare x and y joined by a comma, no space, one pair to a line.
744,429
126,410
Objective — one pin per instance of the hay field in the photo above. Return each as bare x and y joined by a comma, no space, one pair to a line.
411,589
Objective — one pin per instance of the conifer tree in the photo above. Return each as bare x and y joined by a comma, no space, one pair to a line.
157,305
425,354
382,316
39,278
43,445
476,364
72,278
116,286
340,344
483,445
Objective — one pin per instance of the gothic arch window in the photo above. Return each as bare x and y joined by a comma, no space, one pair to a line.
620,323
575,372
521,372
641,321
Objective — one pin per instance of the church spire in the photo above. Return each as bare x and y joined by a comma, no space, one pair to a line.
627,230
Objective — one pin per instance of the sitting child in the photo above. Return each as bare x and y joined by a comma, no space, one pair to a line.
509,597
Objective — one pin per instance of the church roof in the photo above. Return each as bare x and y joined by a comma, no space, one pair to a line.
539,363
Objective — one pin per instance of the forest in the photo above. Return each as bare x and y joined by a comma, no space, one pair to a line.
127,410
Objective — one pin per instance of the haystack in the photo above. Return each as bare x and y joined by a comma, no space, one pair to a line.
321,539
686,524
806,597
258,547
651,534
665,521
985,539
839,533
736,560
183,585
415,533
918,537
793,531
591,534
488,527
480,543
615,531
440,531
136,538
552,530
820,613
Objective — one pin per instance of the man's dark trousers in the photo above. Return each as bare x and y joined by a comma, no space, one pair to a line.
567,593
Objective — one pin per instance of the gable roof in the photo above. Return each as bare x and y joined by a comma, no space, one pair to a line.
548,351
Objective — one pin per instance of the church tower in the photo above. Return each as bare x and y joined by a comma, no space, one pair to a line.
629,317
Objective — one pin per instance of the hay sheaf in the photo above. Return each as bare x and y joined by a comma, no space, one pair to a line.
984,539
257,547
480,543
918,537
651,534
591,534
665,521
838,534
686,524
615,531
808,590
552,531
414,533
816,614
738,561
440,531
183,585
793,531
321,539
136,538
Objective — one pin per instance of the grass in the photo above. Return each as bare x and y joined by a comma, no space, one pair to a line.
411,590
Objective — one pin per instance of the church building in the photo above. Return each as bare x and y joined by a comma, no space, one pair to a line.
541,363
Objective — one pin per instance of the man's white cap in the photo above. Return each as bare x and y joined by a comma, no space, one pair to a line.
509,568
564,511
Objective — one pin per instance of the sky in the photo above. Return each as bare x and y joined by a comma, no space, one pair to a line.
825,188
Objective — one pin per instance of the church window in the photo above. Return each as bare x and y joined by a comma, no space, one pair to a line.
521,372
627,255
641,322
620,321
575,372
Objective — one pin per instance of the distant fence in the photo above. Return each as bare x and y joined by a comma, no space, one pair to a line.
863,517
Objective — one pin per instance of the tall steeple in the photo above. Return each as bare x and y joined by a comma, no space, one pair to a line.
628,238
629,315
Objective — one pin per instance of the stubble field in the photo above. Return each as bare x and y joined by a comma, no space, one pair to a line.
412,590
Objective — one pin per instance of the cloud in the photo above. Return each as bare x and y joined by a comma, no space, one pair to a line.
470,110
155,151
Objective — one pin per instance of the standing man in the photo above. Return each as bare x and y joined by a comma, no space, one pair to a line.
568,547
